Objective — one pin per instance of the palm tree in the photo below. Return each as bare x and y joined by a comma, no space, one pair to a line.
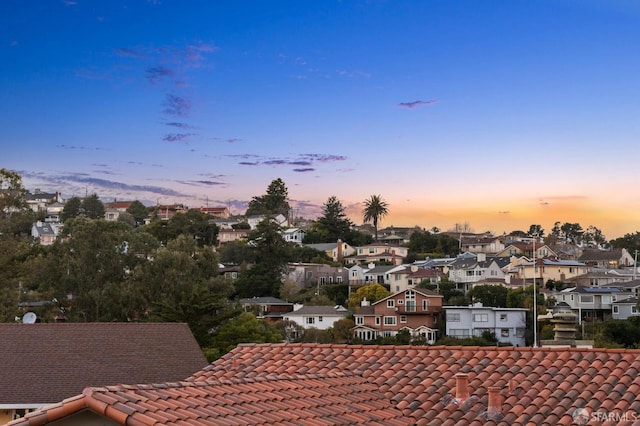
375,208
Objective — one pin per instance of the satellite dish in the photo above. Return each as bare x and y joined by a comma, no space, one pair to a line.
29,318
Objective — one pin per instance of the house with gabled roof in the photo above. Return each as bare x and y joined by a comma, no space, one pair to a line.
45,232
481,244
379,253
227,235
304,383
307,275
270,308
507,324
293,235
414,310
336,251
625,308
44,363
608,259
216,212
525,248
319,317
599,277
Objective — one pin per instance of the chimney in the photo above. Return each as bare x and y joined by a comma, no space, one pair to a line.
364,302
340,256
462,387
495,400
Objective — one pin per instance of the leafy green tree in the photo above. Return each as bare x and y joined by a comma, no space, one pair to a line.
244,328
92,266
594,236
375,208
71,209
630,241
536,230
424,243
92,207
273,202
489,295
341,330
271,254
236,253
334,222
138,211
371,292
451,295
193,223
12,193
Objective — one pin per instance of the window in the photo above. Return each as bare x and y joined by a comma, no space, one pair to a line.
397,277
459,332
389,320
359,320
453,317
425,304
310,320
504,332
390,303
634,309
615,309
410,297
309,274
481,317
586,299
503,317
400,302
322,280
319,319
403,318
339,280
377,320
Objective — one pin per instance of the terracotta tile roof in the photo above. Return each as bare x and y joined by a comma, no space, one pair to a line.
337,398
46,363
541,385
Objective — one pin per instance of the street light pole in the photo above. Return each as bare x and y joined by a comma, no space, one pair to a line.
535,297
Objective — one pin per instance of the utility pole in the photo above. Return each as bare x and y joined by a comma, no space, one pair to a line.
535,297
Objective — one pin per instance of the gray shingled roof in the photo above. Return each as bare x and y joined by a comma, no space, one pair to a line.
46,363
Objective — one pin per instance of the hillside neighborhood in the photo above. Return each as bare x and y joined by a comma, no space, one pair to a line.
365,328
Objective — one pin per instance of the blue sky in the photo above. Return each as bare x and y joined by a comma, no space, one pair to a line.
500,114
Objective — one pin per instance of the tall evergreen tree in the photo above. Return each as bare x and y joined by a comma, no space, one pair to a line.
274,202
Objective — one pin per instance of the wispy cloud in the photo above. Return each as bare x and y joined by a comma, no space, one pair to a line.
248,163
414,104
176,105
180,125
155,74
325,158
88,148
301,160
304,170
69,3
177,137
194,54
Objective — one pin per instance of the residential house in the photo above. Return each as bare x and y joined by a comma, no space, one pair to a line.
526,248
404,277
625,308
547,269
335,251
304,383
632,286
293,235
356,274
379,253
45,233
307,275
216,212
591,303
319,317
227,235
599,277
254,220
481,244
507,324
46,363
380,274
113,210
608,259
167,211
38,200
414,310
270,308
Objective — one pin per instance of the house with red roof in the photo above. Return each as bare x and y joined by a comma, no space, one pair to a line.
414,310
312,384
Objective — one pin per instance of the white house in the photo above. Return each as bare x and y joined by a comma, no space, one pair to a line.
508,324
293,235
319,317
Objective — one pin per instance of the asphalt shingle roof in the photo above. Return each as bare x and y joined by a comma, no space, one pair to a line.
46,363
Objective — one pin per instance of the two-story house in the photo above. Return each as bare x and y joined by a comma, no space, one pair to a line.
608,259
293,235
319,317
591,303
481,244
404,277
379,253
543,270
307,275
414,310
508,324
625,308
336,251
